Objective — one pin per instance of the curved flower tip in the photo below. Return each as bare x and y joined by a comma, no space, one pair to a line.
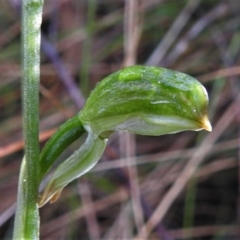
206,124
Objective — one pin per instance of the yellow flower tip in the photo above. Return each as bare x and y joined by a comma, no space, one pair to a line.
206,124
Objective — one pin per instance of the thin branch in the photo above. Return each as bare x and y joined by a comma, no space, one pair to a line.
63,74
89,209
132,32
101,204
216,13
164,157
173,32
221,73
206,231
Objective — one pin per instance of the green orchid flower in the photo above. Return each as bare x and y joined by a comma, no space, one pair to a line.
139,99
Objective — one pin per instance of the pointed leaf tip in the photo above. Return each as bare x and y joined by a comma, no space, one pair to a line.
206,124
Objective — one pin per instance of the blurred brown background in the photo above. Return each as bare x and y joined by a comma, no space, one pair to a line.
182,186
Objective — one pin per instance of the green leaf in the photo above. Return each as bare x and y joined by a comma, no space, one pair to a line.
61,139
80,162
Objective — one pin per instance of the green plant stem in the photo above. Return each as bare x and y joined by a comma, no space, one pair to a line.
87,46
26,224
189,207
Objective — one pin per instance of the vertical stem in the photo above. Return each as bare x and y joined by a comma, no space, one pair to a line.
132,31
133,18
189,207
26,224
87,46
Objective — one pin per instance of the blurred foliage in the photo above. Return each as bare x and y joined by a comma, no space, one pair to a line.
98,205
